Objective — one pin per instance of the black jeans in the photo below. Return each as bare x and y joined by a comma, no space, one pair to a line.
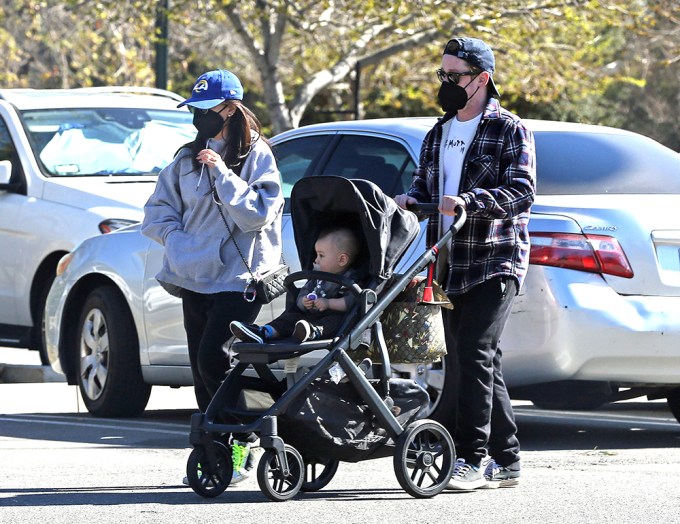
328,323
206,321
484,418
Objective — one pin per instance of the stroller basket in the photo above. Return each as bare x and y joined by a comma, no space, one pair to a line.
413,329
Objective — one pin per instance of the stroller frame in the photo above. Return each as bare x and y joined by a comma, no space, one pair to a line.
281,471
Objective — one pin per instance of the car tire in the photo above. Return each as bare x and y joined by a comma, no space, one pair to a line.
673,400
109,372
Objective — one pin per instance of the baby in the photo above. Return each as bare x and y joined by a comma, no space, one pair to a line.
320,304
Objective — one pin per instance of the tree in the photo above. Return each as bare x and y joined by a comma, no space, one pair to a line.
302,47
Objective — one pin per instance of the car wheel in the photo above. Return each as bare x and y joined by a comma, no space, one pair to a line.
673,401
571,395
109,372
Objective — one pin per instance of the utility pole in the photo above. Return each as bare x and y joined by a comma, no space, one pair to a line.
162,44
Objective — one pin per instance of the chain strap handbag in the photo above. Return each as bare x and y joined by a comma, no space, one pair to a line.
264,287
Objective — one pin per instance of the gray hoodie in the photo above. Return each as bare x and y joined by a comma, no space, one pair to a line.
182,216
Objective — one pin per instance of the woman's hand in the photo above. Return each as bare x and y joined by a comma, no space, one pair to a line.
211,159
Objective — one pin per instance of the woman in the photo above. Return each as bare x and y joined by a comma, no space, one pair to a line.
228,170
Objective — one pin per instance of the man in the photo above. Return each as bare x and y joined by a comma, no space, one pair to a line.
479,157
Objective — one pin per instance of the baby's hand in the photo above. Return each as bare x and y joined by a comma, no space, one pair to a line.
307,303
321,304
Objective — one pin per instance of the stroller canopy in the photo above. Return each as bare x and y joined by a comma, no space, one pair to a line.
384,229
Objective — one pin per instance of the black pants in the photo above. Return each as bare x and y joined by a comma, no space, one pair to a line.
206,321
328,323
484,419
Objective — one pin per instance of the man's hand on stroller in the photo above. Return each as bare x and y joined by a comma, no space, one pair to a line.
449,203
403,201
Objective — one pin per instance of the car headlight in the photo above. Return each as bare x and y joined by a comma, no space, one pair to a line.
112,224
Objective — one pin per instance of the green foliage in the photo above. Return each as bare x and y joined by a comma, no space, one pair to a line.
602,61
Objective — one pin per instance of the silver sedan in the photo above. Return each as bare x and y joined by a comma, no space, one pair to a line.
597,320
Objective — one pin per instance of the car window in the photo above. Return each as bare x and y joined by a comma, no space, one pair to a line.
601,163
107,141
384,162
297,158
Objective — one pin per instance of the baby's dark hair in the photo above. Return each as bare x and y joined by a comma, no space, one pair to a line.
344,239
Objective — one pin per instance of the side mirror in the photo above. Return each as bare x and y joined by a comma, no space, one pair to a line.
5,173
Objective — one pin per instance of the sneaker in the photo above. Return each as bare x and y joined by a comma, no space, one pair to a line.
304,331
239,455
466,477
502,476
256,452
248,332
487,465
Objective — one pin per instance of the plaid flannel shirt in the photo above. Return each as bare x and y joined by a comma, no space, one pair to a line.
498,186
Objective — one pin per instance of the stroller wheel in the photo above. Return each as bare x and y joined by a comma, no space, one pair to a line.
209,478
271,479
318,474
424,458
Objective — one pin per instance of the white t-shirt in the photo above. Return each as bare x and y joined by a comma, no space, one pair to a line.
454,148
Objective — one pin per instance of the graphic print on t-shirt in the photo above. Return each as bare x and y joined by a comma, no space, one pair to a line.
452,143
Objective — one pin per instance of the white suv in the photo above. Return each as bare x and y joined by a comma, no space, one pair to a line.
73,164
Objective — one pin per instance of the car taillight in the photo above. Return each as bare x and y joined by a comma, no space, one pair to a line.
113,224
592,253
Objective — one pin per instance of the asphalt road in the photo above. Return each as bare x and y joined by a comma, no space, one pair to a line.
59,464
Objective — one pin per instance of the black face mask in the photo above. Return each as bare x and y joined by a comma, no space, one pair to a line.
208,124
453,97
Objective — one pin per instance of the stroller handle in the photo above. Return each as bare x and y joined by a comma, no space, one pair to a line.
423,210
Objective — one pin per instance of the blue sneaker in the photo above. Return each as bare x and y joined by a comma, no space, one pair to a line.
466,477
502,476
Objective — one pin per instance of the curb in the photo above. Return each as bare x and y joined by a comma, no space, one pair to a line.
23,374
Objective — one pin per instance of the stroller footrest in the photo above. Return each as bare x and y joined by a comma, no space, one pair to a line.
254,353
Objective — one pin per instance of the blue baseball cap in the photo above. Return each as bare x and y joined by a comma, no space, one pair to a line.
214,87
475,52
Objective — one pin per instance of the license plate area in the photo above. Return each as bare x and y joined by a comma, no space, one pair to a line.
667,246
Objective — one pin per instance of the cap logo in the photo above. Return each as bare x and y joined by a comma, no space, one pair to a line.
201,85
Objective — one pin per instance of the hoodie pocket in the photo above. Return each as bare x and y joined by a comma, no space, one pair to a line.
194,258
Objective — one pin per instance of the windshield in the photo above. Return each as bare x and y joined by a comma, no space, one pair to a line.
108,141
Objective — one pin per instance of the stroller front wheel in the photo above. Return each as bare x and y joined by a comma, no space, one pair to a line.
271,478
209,476
423,458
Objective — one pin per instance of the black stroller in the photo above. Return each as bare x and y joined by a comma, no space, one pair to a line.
308,422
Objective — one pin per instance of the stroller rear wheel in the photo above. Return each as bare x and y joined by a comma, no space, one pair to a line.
423,458
209,478
271,478
319,473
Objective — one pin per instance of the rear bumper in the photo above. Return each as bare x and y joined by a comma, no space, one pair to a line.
575,327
